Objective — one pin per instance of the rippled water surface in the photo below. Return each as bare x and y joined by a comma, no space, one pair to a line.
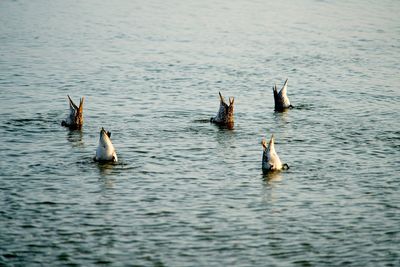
185,192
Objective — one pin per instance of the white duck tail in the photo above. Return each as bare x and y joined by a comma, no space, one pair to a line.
105,151
281,99
270,159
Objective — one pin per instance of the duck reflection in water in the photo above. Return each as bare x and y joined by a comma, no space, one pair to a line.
271,177
105,168
75,138
281,118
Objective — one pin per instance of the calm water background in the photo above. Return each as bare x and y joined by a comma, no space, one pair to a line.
185,192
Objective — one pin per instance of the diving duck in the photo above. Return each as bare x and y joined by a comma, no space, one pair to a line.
270,159
224,116
105,151
75,119
281,99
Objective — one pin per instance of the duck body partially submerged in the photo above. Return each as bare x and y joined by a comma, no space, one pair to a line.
74,121
224,116
281,99
105,151
270,159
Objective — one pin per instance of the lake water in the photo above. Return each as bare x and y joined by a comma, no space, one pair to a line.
185,192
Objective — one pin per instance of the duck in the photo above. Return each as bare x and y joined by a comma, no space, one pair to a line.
270,159
75,119
224,116
281,99
105,151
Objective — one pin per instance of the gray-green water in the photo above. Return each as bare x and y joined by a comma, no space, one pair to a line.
185,192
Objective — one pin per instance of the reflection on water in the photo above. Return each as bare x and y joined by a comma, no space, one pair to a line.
228,127
271,182
105,168
224,135
106,181
282,118
272,176
75,137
